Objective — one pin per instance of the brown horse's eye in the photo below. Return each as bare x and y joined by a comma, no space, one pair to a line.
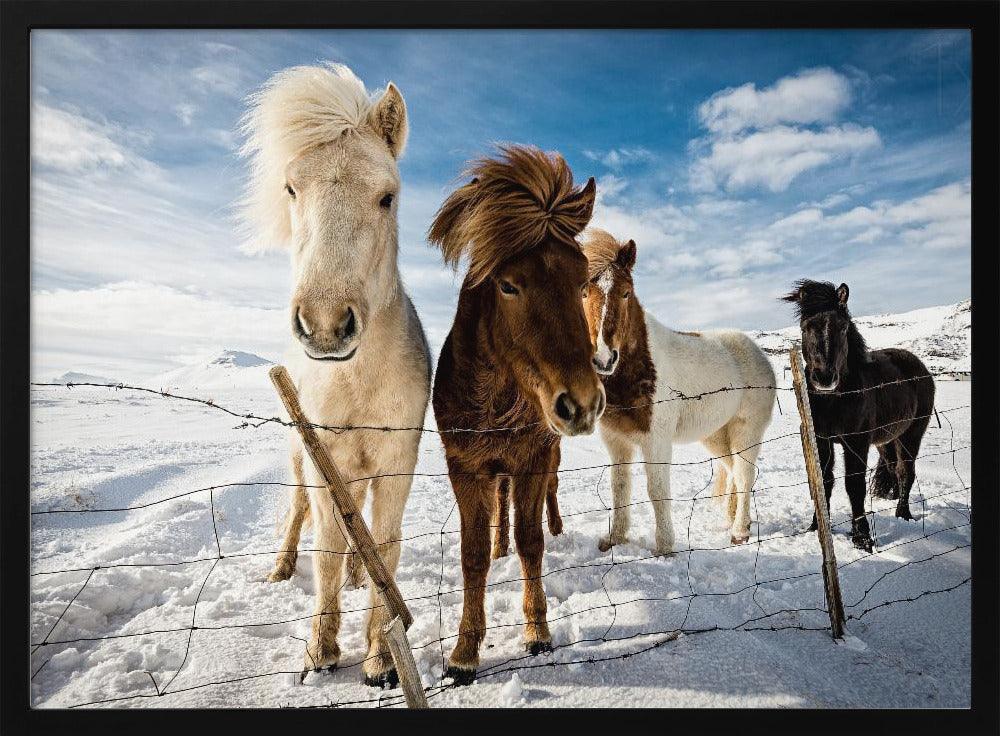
386,201
626,295
584,291
508,288
291,192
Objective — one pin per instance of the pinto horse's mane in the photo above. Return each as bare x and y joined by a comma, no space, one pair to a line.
297,108
517,199
815,297
601,249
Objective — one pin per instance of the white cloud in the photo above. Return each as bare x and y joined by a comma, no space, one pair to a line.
69,142
618,158
810,96
185,112
774,158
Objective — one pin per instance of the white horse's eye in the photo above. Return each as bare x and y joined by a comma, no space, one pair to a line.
386,201
288,188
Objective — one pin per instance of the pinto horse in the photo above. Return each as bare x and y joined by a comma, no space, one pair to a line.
324,185
515,368
859,398
647,370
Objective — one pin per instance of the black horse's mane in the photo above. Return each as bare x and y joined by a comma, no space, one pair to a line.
814,297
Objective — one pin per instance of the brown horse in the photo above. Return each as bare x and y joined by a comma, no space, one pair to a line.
517,360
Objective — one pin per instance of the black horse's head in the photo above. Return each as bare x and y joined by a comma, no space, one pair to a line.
830,341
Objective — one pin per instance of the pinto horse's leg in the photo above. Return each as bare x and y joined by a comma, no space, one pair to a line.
284,565
827,461
855,469
907,449
658,486
389,496
551,501
501,519
475,498
529,500
621,451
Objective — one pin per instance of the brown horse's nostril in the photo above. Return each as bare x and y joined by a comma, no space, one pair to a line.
565,408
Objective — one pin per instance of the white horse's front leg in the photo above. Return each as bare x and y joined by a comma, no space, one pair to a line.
658,457
621,451
388,501
744,471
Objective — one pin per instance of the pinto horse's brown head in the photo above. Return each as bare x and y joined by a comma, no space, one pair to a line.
609,296
517,220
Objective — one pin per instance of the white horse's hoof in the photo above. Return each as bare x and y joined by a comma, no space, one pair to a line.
740,539
606,543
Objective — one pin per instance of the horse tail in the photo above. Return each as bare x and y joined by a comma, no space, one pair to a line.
883,480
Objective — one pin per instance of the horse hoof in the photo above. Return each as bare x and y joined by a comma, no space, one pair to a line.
307,670
604,544
555,528
388,679
904,514
863,543
738,540
280,574
537,647
498,552
460,675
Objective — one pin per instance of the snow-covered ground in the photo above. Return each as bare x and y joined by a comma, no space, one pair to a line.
756,632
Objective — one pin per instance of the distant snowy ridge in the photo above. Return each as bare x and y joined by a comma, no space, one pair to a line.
78,377
940,336
228,369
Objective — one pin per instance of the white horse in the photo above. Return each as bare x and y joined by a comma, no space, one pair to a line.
324,184
646,368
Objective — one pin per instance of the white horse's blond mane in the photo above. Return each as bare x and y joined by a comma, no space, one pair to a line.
297,108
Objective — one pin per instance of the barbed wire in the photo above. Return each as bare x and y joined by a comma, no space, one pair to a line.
524,662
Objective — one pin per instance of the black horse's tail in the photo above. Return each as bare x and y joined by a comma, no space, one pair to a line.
884,483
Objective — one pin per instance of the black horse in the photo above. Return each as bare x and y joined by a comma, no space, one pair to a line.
859,398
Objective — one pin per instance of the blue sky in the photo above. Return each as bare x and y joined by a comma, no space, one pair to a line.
738,161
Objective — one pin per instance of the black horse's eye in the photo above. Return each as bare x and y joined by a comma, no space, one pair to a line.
386,201
291,192
507,288
626,295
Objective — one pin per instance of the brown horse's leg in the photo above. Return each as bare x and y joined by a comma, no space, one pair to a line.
474,499
284,565
529,499
501,519
551,502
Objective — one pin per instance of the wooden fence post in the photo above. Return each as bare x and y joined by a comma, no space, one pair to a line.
831,580
359,535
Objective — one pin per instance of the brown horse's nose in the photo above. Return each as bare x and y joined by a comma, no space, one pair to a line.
578,416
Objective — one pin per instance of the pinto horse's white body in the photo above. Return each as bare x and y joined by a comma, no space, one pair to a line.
730,424
324,185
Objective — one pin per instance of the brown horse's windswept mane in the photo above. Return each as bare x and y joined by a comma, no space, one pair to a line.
601,249
517,199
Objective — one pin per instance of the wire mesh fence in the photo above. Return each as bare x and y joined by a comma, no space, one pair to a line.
686,609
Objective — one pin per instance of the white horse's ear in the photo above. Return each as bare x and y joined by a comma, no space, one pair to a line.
842,294
388,118
626,255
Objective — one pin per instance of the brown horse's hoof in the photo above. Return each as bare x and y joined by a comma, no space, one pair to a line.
739,540
499,552
555,527
460,675
388,679
283,569
537,647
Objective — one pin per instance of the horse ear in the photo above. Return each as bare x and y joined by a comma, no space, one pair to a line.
626,255
587,197
842,294
388,117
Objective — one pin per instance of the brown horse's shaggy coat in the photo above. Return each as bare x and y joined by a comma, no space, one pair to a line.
517,360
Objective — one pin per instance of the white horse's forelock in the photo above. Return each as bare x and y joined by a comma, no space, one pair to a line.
297,108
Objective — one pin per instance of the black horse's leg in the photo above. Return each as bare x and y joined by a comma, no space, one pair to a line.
908,449
885,481
827,460
855,469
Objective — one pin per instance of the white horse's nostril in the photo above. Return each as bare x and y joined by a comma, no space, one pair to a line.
303,324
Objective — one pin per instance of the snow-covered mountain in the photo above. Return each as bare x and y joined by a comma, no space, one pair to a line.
78,377
940,336
228,369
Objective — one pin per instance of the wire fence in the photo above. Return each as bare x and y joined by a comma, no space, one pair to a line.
430,602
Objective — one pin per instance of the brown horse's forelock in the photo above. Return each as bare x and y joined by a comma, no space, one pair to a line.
517,199
601,249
